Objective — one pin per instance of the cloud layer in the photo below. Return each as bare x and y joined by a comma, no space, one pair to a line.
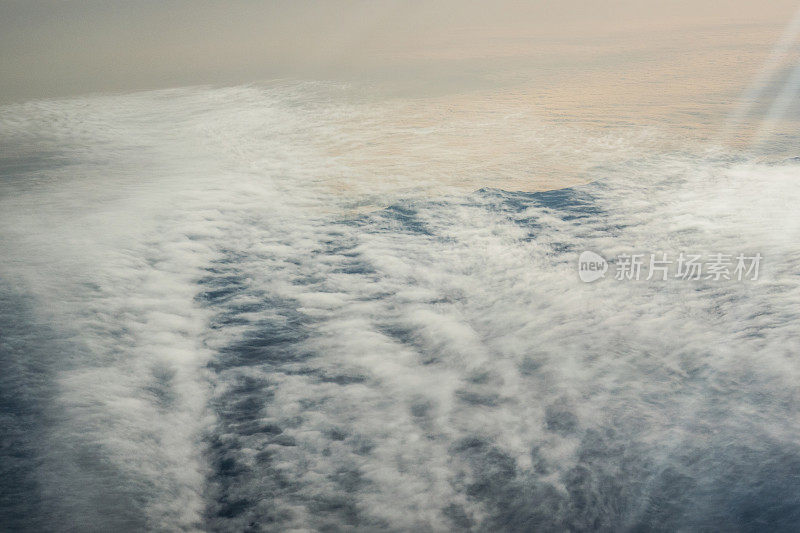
221,317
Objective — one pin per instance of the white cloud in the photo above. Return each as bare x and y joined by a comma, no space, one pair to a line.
431,365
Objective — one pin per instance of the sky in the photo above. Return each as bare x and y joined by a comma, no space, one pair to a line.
60,48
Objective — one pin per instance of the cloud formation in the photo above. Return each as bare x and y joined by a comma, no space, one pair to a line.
224,320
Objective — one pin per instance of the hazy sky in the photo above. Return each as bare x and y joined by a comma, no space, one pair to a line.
53,48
